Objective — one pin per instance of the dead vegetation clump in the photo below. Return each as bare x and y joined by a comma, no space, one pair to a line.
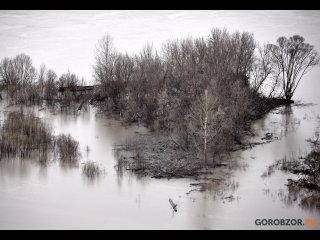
67,148
306,186
91,169
307,168
23,134
156,156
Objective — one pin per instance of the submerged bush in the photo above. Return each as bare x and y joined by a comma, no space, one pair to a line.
91,169
22,134
67,148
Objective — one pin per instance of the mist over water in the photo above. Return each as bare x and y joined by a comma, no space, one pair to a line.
33,196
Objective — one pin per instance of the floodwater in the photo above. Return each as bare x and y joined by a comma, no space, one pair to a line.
60,197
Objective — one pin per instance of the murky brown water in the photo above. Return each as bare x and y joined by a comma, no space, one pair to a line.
33,196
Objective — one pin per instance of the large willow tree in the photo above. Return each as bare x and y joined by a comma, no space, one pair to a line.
294,58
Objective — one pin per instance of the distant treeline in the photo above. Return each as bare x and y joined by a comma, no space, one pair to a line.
205,90
21,82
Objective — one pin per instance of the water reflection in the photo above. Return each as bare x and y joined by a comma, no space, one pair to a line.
43,172
15,168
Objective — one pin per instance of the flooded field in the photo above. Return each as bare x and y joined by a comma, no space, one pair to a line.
58,196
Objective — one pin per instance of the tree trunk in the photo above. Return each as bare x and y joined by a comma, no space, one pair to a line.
205,127
205,157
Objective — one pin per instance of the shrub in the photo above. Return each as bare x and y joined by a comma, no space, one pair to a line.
24,133
68,148
91,169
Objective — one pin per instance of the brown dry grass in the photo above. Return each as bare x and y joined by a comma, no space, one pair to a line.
22,134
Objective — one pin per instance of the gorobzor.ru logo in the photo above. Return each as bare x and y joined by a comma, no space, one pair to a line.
309,222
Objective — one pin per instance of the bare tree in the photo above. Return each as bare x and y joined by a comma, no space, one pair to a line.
67,80
105,55
262,68
204,122
111,71
243,46
24,69
295,58
50,85
18,70
7,72
17,75
145,86
265,74
41,74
